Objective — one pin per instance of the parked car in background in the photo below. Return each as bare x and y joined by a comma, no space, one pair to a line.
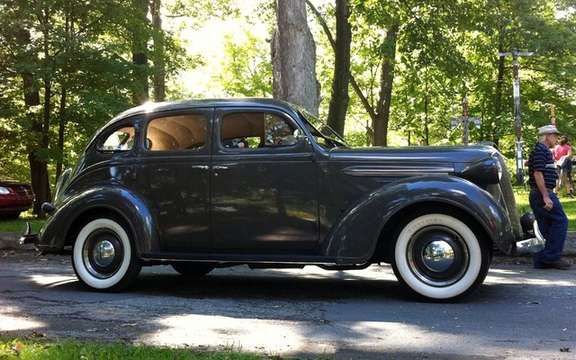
214,183
15,197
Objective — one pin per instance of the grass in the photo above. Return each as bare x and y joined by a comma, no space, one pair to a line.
568,204
23,349
18,225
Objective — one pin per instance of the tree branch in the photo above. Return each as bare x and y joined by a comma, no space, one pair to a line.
353,82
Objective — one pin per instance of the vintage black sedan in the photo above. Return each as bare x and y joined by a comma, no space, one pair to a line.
202,184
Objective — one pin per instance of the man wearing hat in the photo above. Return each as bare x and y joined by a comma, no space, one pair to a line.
552,220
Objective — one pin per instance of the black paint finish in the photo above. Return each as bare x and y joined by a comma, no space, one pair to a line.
296,204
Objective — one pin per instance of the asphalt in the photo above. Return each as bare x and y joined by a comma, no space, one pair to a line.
520,312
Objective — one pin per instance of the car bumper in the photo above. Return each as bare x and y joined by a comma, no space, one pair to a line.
28,238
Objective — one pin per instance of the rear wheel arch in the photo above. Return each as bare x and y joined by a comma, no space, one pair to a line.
94,213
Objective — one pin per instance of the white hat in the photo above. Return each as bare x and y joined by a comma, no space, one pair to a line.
548,129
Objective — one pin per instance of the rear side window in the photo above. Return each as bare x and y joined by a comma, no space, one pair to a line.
174,133
249,130
120,140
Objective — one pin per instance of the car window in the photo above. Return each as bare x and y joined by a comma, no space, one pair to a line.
179,132
120,140
250,130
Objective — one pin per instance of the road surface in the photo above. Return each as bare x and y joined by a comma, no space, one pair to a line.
519,312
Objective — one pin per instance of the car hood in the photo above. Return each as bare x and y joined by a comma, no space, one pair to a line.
423,154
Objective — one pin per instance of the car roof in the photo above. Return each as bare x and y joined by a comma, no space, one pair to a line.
152,107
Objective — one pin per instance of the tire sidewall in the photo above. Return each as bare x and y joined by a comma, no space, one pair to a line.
82,272
473,274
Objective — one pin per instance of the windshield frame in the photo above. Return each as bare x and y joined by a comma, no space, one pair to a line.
324,130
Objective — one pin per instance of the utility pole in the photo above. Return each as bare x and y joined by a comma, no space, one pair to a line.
517,114
465,120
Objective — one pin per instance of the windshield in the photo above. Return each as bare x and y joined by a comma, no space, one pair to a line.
323,134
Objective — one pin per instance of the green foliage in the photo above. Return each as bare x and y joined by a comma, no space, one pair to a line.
445,49
246,70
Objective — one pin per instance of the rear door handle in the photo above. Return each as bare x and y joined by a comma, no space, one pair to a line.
220,167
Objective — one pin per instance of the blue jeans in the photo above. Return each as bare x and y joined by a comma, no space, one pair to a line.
553,225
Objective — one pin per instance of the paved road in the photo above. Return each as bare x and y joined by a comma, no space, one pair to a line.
518,313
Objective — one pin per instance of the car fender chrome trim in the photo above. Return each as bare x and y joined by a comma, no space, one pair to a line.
395,171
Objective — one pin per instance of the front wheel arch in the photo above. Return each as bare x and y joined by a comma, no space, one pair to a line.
384,251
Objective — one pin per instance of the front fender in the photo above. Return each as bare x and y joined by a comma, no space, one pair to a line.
107,197
355,237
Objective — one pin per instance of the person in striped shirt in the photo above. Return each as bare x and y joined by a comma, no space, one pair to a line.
552,220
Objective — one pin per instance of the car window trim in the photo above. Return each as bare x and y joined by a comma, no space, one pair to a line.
223,111
104,136
208,112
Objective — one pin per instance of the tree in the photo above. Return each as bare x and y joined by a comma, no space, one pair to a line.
158,54
246,69
294,57
341,79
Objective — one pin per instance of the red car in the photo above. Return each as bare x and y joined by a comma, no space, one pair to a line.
15,197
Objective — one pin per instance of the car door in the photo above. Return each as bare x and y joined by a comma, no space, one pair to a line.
264,184
175,178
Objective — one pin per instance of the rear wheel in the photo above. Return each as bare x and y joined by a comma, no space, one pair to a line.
104,257
192,269
440,257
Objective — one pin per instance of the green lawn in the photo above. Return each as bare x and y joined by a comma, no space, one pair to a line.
72,349
568,204
18,225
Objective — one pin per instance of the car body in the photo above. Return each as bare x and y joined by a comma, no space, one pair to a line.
210,183
15,197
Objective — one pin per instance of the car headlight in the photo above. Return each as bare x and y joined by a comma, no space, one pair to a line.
4,190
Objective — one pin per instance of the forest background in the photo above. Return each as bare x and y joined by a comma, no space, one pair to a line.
388,73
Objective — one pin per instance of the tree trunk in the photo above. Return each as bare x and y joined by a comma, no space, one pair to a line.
61,130
426,120
38,168
140,52
294,57
499,89
159,76
340,98
380,121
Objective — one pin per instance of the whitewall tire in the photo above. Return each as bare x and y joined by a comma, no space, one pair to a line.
440,257
103,256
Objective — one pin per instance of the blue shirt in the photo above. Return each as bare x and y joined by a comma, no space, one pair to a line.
541,159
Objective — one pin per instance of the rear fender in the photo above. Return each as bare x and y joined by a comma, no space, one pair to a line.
355,237
110,198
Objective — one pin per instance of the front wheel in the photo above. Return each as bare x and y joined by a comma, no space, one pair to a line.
103,256
440,257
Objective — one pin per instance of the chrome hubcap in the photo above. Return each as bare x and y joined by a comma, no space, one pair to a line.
438,256
104,253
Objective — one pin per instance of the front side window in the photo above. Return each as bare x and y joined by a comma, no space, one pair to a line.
179,132
250,130
120,140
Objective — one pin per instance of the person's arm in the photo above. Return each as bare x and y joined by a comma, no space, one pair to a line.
539,178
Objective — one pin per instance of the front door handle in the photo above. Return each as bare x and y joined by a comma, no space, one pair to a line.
201,167
220,167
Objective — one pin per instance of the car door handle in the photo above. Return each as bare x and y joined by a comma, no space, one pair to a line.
220,167
201,167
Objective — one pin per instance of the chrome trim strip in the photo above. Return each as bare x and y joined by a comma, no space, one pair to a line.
397,170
